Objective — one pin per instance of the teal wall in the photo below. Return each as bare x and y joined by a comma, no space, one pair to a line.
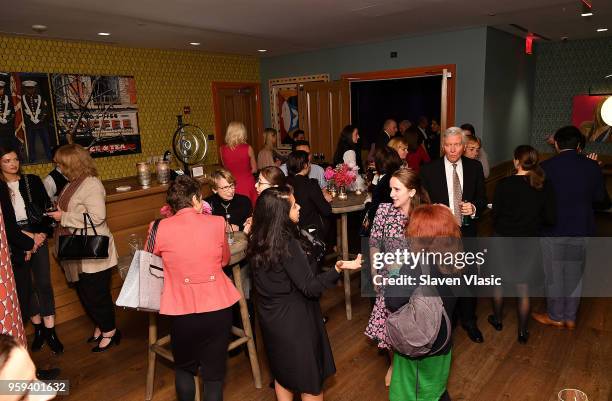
508,95
465,48
563,70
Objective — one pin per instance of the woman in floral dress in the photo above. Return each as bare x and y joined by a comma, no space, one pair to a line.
388,235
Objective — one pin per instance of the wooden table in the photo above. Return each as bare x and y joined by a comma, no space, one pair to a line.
157,345
353,203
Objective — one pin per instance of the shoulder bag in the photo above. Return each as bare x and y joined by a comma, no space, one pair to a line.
82,245
144,282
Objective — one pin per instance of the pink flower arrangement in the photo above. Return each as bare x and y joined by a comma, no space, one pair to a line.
166,210
343,175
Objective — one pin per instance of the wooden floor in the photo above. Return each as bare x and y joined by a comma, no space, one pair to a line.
498,369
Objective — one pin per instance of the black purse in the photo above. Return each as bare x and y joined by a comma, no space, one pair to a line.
83,246
36,216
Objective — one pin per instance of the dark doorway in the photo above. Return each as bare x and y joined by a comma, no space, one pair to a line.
372,102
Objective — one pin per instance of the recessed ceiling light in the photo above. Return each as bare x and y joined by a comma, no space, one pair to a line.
602,29
262,50
103,33
589,14
39,27
195,43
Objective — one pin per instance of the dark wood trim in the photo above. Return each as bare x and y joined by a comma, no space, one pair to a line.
413,73
219,135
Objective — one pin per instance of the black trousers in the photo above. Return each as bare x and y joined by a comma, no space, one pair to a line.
41,300
23,284
95,295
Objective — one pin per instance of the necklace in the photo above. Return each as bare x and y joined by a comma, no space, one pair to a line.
226,207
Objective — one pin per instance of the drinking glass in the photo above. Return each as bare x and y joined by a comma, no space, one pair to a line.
572,394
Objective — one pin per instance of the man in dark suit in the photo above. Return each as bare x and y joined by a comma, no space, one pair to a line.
389,131
458,182
579,188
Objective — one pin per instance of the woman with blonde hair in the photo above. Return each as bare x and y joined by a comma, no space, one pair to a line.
85,193
239,158
400,145
268,156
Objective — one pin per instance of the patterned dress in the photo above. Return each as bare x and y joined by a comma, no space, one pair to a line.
387,235
10,315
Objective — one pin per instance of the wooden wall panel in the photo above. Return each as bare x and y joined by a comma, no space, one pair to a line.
324,111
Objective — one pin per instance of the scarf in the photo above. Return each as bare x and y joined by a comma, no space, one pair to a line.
72,268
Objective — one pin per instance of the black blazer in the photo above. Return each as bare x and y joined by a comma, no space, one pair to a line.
579,187
39,198
433,176
18,241
381,193
314,208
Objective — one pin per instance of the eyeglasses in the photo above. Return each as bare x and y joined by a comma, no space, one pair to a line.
227,187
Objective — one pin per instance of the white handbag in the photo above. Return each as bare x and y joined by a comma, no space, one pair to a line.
144,282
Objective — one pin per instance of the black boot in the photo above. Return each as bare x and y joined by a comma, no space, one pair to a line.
54,343
39,337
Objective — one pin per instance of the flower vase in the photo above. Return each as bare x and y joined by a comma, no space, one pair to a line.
342,193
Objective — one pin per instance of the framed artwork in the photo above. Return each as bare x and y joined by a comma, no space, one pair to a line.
586,115
284,105
39,111
98,112
26,116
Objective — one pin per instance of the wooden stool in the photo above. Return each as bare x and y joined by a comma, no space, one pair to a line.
157,346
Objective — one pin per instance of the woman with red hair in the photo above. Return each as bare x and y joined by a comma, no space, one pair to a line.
432,228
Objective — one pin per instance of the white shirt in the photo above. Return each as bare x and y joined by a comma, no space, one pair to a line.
49,184
17,201
448,168
423,132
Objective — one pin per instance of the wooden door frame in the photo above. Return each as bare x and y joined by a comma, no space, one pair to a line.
256,86
415,73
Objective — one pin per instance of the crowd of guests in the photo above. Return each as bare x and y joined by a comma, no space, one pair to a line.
428,185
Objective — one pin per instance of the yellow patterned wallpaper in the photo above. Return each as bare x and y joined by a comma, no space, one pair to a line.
165,82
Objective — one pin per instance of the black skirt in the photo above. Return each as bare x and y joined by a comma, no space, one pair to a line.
200,340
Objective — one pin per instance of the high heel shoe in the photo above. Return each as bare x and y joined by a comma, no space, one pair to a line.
115,339
523,336
93,339
497,325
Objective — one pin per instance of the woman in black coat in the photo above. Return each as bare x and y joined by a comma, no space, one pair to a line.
29,200
292,326
315,208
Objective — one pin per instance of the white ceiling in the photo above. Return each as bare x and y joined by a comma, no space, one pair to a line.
289,26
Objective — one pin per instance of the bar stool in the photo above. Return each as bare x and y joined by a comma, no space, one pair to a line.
157,346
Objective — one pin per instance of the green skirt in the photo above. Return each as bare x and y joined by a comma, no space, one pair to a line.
422,379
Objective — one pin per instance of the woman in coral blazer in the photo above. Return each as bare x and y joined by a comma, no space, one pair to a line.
197,294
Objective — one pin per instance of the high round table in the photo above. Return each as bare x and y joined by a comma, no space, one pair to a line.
353,203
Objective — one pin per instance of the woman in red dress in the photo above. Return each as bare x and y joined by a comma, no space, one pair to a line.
239,158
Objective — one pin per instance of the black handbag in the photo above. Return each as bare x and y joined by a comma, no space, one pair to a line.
83,246
36,216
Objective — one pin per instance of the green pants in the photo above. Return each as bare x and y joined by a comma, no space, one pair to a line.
422,379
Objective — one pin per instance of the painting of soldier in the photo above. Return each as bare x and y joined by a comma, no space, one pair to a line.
33,100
